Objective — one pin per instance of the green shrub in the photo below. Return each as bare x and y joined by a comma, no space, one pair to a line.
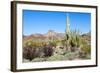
56,58
86,49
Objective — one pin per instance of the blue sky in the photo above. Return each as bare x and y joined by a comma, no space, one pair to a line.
42,21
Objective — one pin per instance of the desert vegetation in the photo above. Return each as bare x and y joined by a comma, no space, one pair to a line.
72,46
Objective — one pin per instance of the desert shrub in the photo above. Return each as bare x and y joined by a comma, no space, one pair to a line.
56,57
86,46
28,53
34,49
48,50
71,55
86,49
63,56
33,52
37,53
59,51
38,59
35,43
53,43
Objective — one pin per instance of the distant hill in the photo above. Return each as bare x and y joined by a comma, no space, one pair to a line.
51,34
48,35
87,36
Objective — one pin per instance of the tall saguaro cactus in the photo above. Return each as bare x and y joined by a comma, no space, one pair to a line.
67,25
67,33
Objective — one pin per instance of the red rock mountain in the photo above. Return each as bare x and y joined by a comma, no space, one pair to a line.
49,34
